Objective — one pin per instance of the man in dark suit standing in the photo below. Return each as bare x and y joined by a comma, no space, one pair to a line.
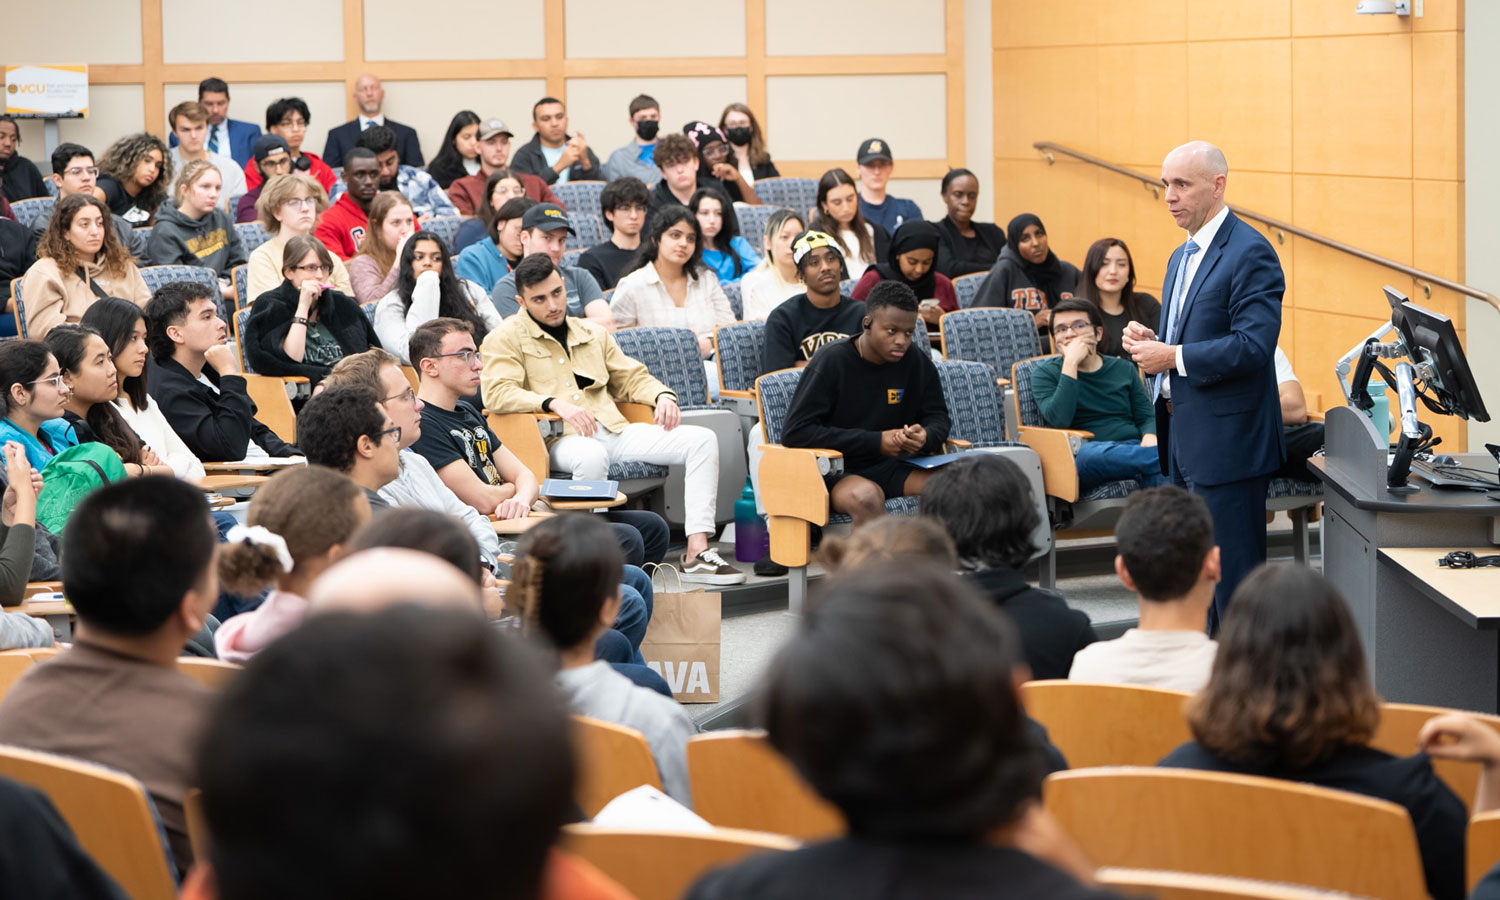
369,96
1213,376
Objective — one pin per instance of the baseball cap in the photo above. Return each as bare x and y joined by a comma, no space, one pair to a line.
491,127
269,145
873,148
808,241
547,217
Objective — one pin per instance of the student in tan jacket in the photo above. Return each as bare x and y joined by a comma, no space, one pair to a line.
79,260
543,360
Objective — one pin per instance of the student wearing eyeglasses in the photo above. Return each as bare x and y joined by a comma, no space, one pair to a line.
305,325
1084,389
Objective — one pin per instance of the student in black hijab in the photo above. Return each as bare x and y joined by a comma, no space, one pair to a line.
967,246
912,259
1028,275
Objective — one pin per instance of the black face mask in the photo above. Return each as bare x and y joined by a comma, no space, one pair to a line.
739,137
646,129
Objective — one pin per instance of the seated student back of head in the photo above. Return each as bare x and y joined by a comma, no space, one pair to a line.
1168,557
138,568
1290,697
896,702
475,747
986,504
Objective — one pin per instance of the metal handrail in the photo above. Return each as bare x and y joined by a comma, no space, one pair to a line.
1425,279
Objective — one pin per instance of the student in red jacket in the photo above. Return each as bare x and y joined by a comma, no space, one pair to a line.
343,226
910,259
289,118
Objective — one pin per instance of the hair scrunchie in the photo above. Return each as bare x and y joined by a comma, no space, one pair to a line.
260,536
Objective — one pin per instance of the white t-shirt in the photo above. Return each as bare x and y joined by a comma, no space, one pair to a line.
551,155
856,265
1284,371
1174,660
762,290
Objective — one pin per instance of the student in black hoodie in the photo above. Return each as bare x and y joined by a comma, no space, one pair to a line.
965,246
194,230
196,381
986,504
17,253
305,326
876,399
1028,275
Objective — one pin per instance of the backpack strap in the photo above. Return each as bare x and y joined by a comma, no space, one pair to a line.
93,285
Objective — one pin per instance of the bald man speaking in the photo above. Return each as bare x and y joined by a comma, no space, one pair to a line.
1211,372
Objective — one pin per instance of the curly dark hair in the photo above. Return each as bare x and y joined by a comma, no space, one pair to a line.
331,424
122,157
985,503
1289,686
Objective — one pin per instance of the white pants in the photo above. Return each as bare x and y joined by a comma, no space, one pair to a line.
753,451
691,446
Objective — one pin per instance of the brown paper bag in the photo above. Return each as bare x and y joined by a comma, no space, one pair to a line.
682,641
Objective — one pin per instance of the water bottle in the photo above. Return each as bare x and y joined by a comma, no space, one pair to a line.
751,539
1380,413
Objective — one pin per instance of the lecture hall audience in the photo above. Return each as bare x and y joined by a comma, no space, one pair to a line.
427,199
637,159
369,96
967,247
672,288
93,384
426,288
35,398
271,156
226,136
910,259
544,230
623,205
194,230
552,154
497,247
746,143
725,252
1028,275
775,278
188,123
20,179
713,161
875,165
468,192
836,213
343,227
74,172
135,174
459,154
288,118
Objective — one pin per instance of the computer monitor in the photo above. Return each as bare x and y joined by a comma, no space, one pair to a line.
1434,348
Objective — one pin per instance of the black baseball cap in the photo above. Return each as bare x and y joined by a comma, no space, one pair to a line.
547,217
269,145
873,148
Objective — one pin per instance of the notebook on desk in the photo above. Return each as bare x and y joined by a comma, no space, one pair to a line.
568,489
933,462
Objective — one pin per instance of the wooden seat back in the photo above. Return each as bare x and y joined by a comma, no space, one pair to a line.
1397,734
108,811
740,781
1189,886
272,406
1108,724
612,759
211,673
1483,847
1241,826
13,664
662,865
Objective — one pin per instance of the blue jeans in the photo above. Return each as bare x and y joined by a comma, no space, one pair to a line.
614,648
635,609
643,534
1102,461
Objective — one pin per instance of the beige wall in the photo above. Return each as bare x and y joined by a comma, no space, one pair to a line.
1481,228
801,67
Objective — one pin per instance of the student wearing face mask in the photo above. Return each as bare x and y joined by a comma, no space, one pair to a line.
637,159
713,158
1028,275
747,146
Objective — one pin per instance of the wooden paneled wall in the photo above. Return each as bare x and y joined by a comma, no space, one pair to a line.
1348,125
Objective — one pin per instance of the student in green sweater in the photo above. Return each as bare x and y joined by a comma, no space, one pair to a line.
1082,389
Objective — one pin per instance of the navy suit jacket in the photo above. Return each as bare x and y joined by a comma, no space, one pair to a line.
341,140
242,137
1226,413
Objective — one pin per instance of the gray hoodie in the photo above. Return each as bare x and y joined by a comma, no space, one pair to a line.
210,241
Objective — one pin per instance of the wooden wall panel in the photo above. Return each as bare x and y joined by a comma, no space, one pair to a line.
1351,105
1142,22
1137,84
1046,95
1371,213
1437,227
1241,92
1056,23
1216,20
1437,131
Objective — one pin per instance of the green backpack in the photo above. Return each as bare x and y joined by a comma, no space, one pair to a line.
72,475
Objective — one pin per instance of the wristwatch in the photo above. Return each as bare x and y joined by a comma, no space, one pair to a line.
299,320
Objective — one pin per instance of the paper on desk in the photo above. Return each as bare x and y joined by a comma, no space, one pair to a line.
263,462
647,809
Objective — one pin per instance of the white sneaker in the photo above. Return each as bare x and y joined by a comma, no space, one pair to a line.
710,568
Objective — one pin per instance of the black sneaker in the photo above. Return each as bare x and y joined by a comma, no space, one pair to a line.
765,567
710,568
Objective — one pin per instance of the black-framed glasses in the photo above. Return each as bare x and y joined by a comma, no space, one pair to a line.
466,356
394,431
312,268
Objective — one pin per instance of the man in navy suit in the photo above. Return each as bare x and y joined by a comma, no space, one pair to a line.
369,96
1213,375
226,136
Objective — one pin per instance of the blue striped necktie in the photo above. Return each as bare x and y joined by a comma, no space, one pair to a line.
1174,309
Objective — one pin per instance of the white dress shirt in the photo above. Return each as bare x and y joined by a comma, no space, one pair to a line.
366,121
1203,237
